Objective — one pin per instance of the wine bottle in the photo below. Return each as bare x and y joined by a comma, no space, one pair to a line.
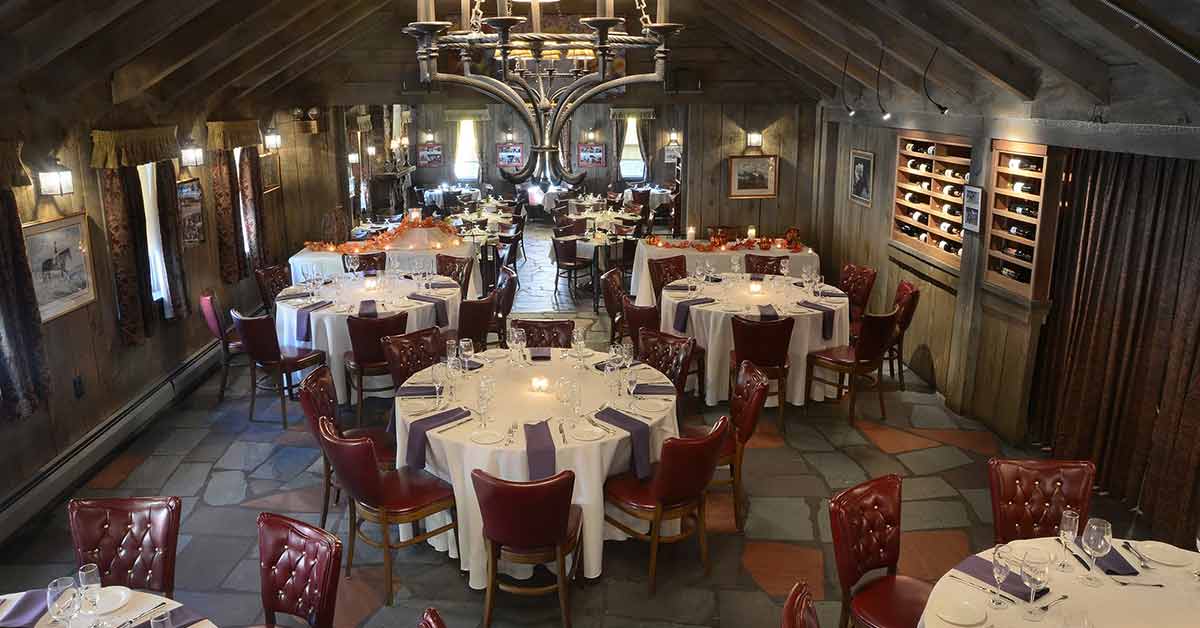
917,216
929,149
952,190
925,184
1024,210
1019,274
949,227
910,147
1023,187
914,198
949,247
912,163
924,237
1022,230
952,209
1019,253
923,166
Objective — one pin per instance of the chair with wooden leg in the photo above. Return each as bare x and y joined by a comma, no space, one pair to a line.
278,362
431,619
614,293
456,268
664,270
413,352
674,491
638,317
227,337
907,297
365,357
856,362
298,570
506,294
766,344
798,610
857,282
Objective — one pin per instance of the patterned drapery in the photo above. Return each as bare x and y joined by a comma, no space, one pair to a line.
645,134
129,252
250,185
12,171
24,377
229,233
172,237
133,147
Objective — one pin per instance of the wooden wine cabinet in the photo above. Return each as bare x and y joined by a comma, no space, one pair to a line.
931,171
1022,217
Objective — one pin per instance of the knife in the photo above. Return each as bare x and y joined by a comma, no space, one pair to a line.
981,587
133,621
1073,554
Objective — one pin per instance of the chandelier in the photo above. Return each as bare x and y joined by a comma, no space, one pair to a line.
526,77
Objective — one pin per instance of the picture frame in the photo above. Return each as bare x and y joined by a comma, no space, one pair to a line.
592,156
268,166
510,155
61,264
753,176
191,210
862,177
429,155
972,207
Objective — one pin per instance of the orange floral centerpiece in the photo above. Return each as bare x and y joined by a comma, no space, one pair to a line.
719,243
390,239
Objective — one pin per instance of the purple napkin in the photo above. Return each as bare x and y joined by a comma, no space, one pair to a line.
980,568
439,307
713,279
836,294
756,276
654,389
370,273
417,390
418,434
296,295
181,617
443,284
826,317
767,313
678,288
539,448
600,364
539,354
367,308
639,434
1113,563
24,610
683,308
303,324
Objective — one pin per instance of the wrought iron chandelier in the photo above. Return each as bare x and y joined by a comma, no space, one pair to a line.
526,78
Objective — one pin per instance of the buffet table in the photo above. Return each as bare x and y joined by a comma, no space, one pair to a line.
722,261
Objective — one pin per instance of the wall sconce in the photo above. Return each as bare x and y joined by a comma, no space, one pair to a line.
428,136
56,180
191,154
673,137
508,135
395,144
370,150
404,142
754,139
272,140
591,135
352,158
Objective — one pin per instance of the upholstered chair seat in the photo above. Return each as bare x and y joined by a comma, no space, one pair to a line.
278,361
544,333
855,362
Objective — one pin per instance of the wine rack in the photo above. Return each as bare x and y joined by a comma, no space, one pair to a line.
1021,218
931,171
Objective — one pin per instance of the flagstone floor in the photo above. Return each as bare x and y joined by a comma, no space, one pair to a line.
227,470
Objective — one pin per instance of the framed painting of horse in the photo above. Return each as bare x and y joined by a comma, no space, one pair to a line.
59,259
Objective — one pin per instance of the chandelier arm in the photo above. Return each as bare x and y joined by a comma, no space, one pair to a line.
565,174
635,79
564,94
474,82
511,97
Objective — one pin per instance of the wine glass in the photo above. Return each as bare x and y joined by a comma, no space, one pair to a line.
451,349
466,350
1068,529
352,264
89,586
439,376
785,265
1097,541
62,601
562,394
735,264
487,392
161,620
1002,557
517,342
611,368
1035,572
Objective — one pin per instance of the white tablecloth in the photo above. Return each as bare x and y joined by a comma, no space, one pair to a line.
584,205
712,327
465,195
722,261
452,455
139,602
546,199
658,196
328,325
330,263
1108,606
492,218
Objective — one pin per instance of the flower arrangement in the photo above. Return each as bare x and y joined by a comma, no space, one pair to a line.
793,244
383,241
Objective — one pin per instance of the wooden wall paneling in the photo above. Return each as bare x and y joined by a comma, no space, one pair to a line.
713,182
764,212
733,142
693,152
927,345
806,134
1009,333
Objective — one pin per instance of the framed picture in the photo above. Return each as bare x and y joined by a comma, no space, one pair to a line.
191,211
591,156
430,156
672,153
269,168
862,176
754,176
61,265
972,207
510,155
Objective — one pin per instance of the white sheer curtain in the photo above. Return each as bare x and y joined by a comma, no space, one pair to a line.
159,286
633,167
466,152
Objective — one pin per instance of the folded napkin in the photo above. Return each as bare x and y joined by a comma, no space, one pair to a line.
600,364
654,389
292,296
416,390
767,313
826,317
442,318
181,617
832,293
713,279
756,276
683,287
370,273
23,610
980,568
1113,563
418,434
439,285
539,354
303,320
474,365
683,308
539,448
639,436
368,308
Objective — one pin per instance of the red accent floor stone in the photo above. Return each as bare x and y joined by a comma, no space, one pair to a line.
766,436
979,442
719,513
306,499
775,567
891,440
360,596
929,554
116,471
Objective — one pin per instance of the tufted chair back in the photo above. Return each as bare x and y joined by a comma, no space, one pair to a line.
271,281
413,352
857,282
670,354
354,462
865,520
524,514
474,318
750,389
639,317
318,397
613,292
664,270
431,619
456,268
132,540
764,343
376,262
641,196
875,336
299,565
907,297
556,334
365,334
506,291
258,337
1029,496
798,610
687,465
764,264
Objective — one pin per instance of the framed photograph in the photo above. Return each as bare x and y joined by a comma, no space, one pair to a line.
672,153
754,176
591,156
972,207
62,268
268,166
430,156
510,155
191,211
862,176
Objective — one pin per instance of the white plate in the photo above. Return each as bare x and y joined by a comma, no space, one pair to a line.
586,432
486,437
581,354
648,376
1168,555
111,599
651,406
962,613
419,406
495,354
731,307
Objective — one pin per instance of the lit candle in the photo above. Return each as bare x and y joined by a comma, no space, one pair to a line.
722,247
502,8
755,287
539,384
664,11
371,285
691,233
751,232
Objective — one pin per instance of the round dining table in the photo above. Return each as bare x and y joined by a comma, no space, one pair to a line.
329,263
658,196
392,292
721,261
591,447
960,597
29,609
705,311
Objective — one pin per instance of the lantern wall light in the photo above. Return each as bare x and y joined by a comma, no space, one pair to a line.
428,136
591,135
508,135
370,150
56,180
191,154
272,139
352,158
754,139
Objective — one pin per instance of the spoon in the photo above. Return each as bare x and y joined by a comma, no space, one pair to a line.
1046,607
1135,584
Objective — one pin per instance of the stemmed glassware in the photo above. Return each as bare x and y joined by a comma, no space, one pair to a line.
735,264
487,392
1068,529
439,377
1035,573
628,352
785,265
562,394
63,601
352,263
89,586
1097,541
1002,558
466,351
161,620
516,345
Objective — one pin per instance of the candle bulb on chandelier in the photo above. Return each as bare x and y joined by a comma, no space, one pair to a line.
466,15
535,16
664,10
502,8
604,8
426,11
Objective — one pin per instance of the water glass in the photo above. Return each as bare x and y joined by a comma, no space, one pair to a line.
577,340
62,600
1035,573
630,354
562,394
161,620
439,376
516,343
611,369
89,586
452,349
1068,529
352,264
466,351
1097,541
487,392
735,264
1002,562
785,265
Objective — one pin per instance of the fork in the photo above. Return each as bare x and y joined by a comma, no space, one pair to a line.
562,432
1135,584
1133,550
512,435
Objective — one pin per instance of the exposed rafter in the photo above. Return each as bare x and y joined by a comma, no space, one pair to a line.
52,33
1173,55
812,83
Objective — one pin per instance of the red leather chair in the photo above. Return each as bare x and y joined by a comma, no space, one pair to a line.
539,333
675,491
865,520
669,354
318,397
227,337
258,336
365,358
766,344
798,610
474,319
376,262
614,294
413,352
431,619
568,265
506,295
857,282
271,281
638,317
748,394
1029,496
456,268
907,297
857,361
529,523
664,270
298,570
764,264
386,498
132,540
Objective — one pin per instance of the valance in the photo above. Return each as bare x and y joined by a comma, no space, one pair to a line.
133,147
233,134
476,115
637,113
12,171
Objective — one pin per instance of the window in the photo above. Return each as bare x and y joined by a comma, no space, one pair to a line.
160,288
466,153
633,168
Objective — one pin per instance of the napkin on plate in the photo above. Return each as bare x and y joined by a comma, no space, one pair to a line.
682,287
181,617
304,322
654,389
756,276
980,568
293,296
639,435
441,316
767,313
683,308
1113,563
539,449
442,285
600,364
539,354
24,609
416,390
368,308
418,434
826,317
832,293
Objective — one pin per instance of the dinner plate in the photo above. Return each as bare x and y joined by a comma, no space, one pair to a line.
419,406
111,599
585,353
651,406
962,613
587,432
731,307
1164,553
495,354
486,437
647,375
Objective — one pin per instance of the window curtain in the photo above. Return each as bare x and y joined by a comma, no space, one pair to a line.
24,376
125,224
225,192
613,159
171,236
645,135
250,185
1118,376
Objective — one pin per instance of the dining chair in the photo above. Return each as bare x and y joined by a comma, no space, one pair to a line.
672,356
299,569
614,296
365,357
907,297
1029,496
857,282
431,619
456,268
475,317
746,400
855,362
799,610
131,539
767,344
639,317
277,361
227,338
641,196
764,264
674,491
664,270
386,498
568,265
622,254
865,521
271,281
506,296
546,333
413,352
374,262
529,523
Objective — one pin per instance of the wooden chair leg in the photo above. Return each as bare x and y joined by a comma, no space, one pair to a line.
283,395
387,561
739,510
353,536
853,396
325,493
782,400
224,380
879,392
253,387
900,361
841,386
844,620
564,591
489,597
358,380
655,533
702,534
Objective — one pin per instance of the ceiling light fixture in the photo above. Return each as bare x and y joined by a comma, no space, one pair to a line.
886,115
925,83
849,110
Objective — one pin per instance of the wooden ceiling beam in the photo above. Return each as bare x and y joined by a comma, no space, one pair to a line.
55,31
805,78
1124,21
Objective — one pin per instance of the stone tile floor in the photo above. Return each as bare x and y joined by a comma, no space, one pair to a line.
227,470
